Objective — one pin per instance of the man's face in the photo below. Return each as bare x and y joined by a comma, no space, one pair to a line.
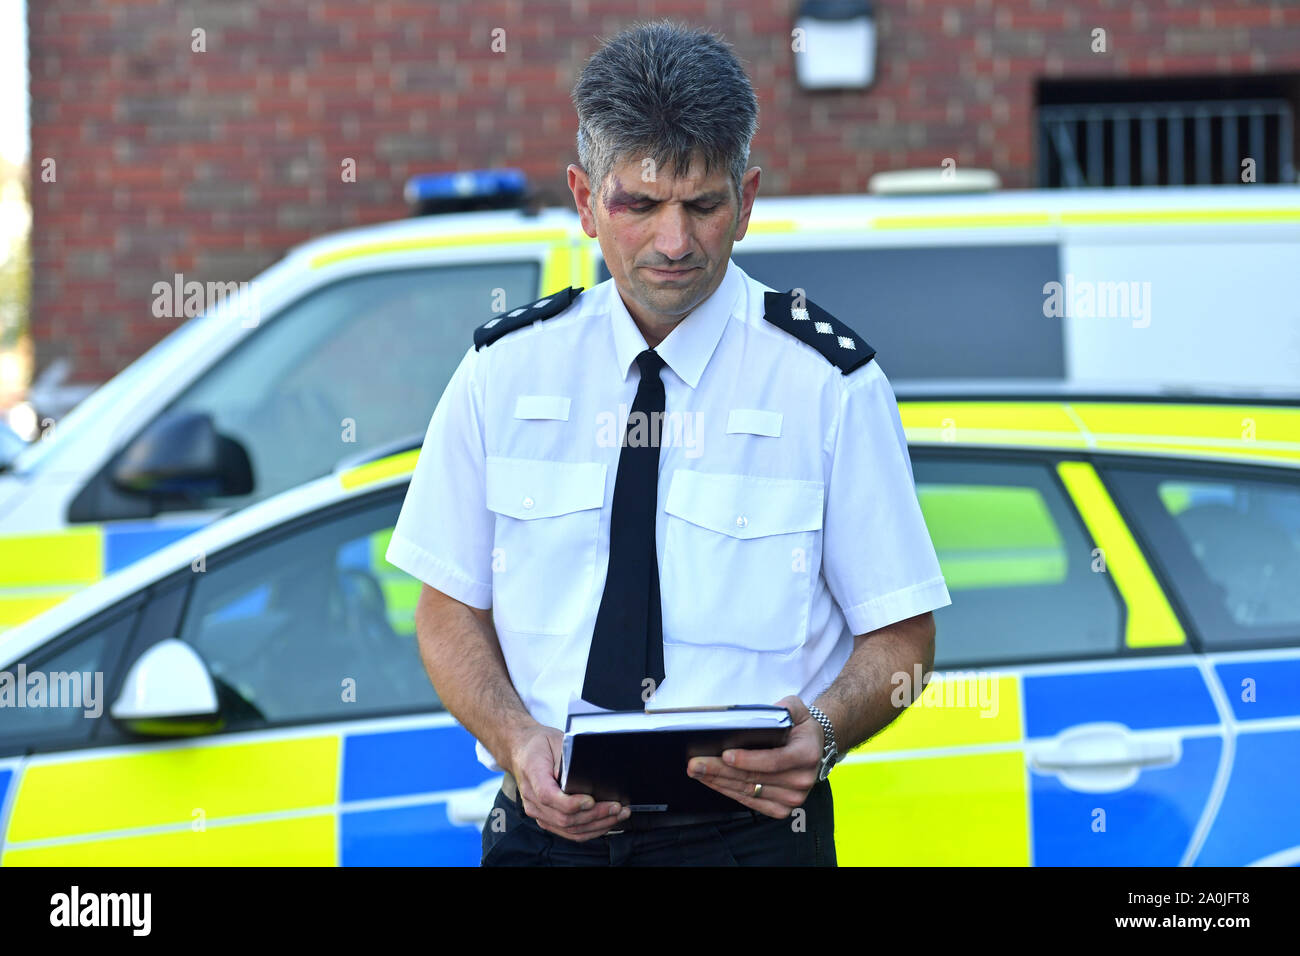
666,239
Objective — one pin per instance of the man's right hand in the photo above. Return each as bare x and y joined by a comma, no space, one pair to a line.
535,765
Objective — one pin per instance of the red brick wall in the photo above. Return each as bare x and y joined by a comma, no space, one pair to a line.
212,164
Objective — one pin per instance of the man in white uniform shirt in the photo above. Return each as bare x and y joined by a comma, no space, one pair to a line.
764,545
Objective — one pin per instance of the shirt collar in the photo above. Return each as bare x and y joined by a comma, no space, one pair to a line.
689,346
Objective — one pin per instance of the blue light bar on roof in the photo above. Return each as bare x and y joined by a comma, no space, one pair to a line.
472,189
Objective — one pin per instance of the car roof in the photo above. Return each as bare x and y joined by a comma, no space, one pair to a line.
390,236
1224,205
1258,429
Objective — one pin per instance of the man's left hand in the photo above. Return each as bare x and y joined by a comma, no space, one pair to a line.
787,773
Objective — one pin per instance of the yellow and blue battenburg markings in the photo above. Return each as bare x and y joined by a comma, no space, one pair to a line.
1151,822
258,802
894,795
944,785
37,571
376,798
393,793
1258,817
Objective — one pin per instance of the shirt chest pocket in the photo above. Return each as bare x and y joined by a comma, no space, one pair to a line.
740,558
545,542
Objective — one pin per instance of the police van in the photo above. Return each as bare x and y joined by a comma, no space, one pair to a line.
344,346
1117,679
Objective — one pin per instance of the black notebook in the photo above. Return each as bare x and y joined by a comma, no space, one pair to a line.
639,757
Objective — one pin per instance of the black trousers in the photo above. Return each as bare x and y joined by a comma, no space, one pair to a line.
512,838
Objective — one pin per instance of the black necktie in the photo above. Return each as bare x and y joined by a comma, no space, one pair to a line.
628,643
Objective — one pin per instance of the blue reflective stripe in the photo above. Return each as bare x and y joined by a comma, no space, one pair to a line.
1257,817
1147,824
400,762
1274,685
5,775
128,542
1139,699
407,836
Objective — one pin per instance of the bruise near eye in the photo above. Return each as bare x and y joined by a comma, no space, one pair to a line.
618,199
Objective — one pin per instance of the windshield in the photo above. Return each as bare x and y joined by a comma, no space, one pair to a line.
34,457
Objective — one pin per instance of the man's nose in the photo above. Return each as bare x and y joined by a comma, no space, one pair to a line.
673,232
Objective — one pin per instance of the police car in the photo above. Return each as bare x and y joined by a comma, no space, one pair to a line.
1117,680
286,378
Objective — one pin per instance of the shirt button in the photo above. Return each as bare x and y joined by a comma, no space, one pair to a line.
528,502
741,521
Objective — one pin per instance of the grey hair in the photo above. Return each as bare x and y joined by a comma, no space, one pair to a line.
666,92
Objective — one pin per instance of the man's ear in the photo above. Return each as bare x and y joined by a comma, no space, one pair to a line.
748,190
580,186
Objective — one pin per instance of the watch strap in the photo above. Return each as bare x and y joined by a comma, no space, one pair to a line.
829,753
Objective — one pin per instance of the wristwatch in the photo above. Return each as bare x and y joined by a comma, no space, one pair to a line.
829,754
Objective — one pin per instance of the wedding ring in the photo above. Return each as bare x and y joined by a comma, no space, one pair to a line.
758,790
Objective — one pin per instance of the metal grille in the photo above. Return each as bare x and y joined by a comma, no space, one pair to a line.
1165,144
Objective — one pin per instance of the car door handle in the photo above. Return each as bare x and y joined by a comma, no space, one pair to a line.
1121,753
472,807
1103,757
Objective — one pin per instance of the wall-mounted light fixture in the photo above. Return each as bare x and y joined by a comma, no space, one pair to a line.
835,44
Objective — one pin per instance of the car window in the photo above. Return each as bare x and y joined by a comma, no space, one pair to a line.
315,625
930,311
353,366
1229,545
1018,564
54,698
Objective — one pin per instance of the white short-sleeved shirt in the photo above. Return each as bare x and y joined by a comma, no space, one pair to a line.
787,517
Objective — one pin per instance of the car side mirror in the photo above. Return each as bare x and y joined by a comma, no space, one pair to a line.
168,692
181,453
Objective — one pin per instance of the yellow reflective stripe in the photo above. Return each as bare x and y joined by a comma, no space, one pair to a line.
1238,423
589,264
951,713
975,416
771,225
1042,424
970,809
995,436
295,841
160,786
558,273
1259,452
69,556
1151,622
1280,214
391,246
963,221
376,471
1087,218
16,608
1252,431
